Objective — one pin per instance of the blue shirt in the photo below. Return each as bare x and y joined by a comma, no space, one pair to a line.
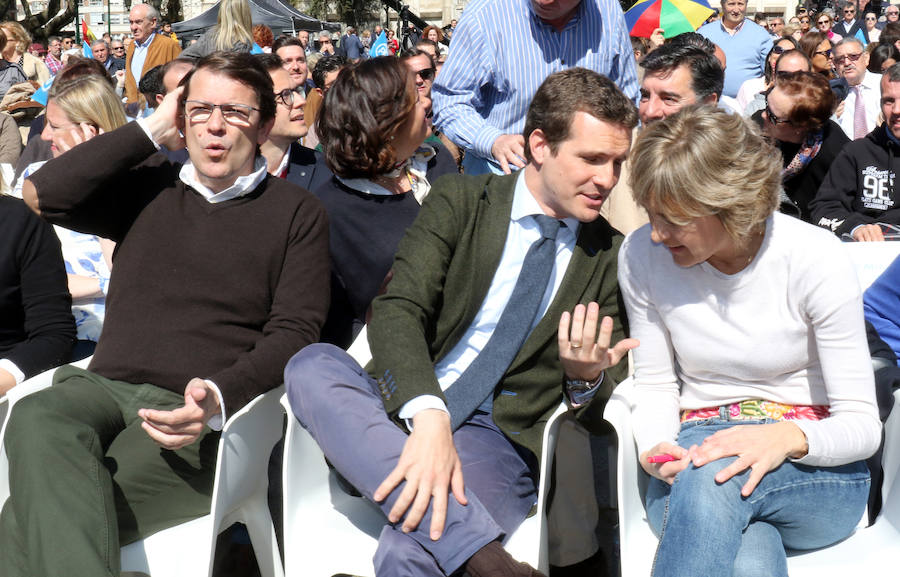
502,52
745,52
139,57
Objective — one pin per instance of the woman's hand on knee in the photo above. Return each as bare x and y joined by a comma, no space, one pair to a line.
761,448
671,460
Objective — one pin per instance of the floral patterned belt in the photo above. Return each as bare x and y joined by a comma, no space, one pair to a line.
755,409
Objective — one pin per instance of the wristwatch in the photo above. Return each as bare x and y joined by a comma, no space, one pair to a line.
581,391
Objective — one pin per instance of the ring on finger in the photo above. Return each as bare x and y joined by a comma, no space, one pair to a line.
574,346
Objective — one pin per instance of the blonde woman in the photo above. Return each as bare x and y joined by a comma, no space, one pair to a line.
16,50
233,31
78,110
755,404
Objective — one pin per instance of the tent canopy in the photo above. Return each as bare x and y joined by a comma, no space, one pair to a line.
280,17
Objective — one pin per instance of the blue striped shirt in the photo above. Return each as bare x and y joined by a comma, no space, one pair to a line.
501,53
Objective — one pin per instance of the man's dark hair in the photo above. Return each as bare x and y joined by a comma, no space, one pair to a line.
365,107
168,66
427,42
694,39
707,76
890,34
563,94
151,84
325,66
271,62
241,67
284,40
893,73
413,52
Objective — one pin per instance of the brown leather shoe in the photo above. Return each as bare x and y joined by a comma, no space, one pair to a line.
492,560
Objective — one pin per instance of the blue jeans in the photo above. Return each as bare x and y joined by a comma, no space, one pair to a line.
707,528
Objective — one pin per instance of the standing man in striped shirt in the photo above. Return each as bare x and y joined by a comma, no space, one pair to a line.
502,50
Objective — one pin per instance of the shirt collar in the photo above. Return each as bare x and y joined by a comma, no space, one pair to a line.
524,204
735,30
242,186
147,43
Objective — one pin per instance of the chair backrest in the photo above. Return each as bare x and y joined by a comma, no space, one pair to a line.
871,259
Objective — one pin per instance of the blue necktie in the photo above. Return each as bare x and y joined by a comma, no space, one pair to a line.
478,381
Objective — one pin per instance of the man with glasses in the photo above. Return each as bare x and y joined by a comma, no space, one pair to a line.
745,43
859,192
285,156
148,50
53,60
117,49
100,50
222,273
776,25
850,27
862,106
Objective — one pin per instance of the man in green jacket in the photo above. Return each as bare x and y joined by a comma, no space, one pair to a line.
493,313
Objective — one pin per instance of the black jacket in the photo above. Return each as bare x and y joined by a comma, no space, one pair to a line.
859,186
801,188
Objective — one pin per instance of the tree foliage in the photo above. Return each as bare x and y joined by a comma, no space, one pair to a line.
351,12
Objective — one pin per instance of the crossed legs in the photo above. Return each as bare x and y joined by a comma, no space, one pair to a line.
337,402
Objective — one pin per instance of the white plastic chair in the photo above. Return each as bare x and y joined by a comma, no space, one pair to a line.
239,494
868,551
328,531
32,385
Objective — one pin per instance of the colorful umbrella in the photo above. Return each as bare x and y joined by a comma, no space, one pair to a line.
673,16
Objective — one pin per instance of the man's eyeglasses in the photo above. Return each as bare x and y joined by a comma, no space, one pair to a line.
234,114
851,57
286,96
825,53
850,11
426,74
774,119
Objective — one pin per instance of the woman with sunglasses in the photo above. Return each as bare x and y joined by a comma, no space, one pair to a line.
750,88
871,29
824,22
797,119
805,23
372,126
818,48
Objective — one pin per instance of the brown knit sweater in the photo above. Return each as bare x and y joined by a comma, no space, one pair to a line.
225,291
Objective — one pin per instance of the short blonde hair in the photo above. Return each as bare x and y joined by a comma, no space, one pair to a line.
703,161
15,32
90,99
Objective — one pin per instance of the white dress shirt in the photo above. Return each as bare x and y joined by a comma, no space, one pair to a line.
139,57
871,88
523,232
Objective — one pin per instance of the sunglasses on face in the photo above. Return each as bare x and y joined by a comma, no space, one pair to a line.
804,21
825,53
774,119
779,49
870,19
823,22
426,74
849,11
848,57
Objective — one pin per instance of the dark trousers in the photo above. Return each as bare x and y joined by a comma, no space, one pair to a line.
86,479
338,403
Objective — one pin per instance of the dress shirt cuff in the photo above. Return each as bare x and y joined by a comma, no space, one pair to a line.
420,403
484,141
217,422
11,368
142,122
